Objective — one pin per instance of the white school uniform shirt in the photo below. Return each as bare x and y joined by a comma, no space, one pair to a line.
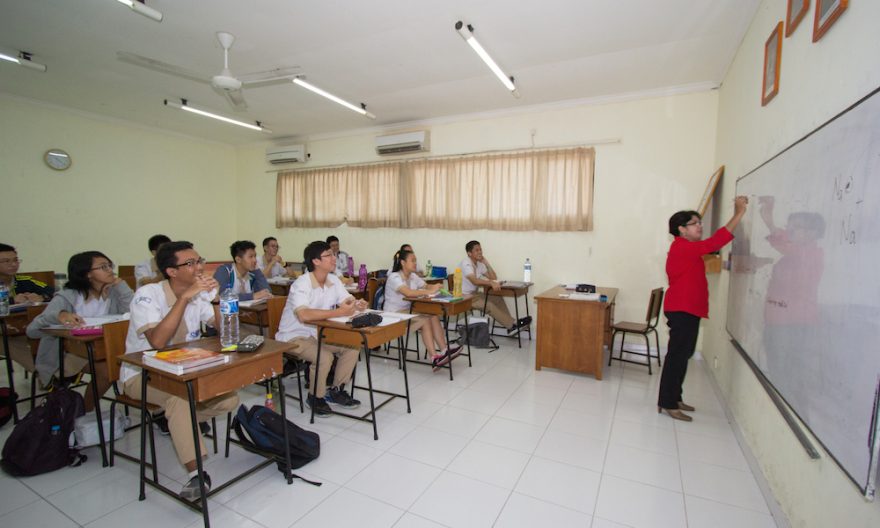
394,301
241,284
305,292
91,307
277,270
342,264
145,270
151,303
467,269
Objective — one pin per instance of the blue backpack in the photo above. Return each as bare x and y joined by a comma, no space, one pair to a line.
261,429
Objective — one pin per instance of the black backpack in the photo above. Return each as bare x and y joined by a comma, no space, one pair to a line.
39,443
261,428
8,400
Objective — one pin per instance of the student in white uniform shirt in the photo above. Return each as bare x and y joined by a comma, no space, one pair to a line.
341,269
404,282
476,271
271,262
248,282
314,296
147,272
164,314
92,290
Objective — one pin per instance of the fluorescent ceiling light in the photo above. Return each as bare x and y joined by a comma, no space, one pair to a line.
184,106
21,58
362,109
141,9
467,33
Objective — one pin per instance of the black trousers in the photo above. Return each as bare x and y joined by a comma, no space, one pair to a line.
683,331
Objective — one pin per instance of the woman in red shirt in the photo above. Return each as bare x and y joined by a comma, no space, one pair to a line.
687,298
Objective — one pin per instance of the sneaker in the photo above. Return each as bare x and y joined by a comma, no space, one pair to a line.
319,405
191,492
453,351
162,423
513,329
525,321
205,428
341,398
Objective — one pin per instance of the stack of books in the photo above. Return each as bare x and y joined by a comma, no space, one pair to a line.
183,360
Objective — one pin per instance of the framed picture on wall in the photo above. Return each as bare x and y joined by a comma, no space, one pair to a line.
710,191
827,12
796,11
772,62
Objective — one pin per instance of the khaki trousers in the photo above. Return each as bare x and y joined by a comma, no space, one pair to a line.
346,361
496,308
178,416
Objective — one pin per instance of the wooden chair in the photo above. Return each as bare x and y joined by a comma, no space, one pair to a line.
655,305
275,308
33,346
126,273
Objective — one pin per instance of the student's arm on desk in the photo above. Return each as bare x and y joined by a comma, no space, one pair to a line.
161,334
310,315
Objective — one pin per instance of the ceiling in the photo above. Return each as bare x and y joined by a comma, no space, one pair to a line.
403,58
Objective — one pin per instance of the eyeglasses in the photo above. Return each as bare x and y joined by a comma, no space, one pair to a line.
191,263
104,267
11,261
274,246
694,223
327,255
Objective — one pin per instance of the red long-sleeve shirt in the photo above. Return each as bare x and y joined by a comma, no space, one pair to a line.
688,289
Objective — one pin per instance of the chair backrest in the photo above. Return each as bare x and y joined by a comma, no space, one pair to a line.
43,276
275,307
450,282
655,306
372,286
126,273
114,346
378,301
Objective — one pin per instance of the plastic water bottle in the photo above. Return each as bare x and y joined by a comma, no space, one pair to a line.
428,268
527,271
228,318
270,403
456,283
350,266
4,299
362,277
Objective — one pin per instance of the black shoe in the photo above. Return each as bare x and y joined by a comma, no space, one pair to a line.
513,329
525,321
205,428
341,398
162,423
319,405
191,490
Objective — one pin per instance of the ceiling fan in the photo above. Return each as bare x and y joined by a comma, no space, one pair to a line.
224,83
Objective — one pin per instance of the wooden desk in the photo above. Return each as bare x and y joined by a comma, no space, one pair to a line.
444,309
200,385
280,289
17,320
368,338
256,314
571,333
509,290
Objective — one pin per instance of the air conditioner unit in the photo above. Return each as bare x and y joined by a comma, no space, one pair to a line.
403,143
286,154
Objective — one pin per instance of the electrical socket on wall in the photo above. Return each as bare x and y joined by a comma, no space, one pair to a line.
715,362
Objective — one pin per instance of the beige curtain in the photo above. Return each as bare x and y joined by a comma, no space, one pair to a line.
543,190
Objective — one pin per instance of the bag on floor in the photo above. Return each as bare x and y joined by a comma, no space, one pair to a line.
40,442
262,428
7,403
476,333
86,428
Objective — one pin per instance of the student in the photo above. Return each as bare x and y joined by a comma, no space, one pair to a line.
164,314
271,262
687,298
476,271
317,295
403,282
341,260
22,288
147,272
247,280
92,290
407,247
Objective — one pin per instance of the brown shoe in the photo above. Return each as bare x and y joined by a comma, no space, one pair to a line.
676,414
682,406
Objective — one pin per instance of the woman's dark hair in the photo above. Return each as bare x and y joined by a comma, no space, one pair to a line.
404,246
313,252
400,256
78,268
680,219
166,256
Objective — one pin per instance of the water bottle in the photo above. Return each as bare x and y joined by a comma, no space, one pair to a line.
228,318
527,271
270,403
428,268
4,299
350,266
362,277
456,283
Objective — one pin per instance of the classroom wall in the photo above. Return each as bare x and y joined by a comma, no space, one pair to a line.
818,80
661,164
126,184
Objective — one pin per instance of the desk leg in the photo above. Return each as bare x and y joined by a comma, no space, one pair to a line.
402,359
194,421
370,385
260,324
314,388
143,468
90,349
9,369
528,314
446,329
61,361
281,398
516,312
466,325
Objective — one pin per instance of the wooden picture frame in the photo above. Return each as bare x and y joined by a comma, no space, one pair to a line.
796,11
827,12
772,63
710,191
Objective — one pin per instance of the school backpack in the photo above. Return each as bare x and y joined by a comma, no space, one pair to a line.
476,333
262,429
40,442
7,402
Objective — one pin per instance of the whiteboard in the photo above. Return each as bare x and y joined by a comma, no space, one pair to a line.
804,300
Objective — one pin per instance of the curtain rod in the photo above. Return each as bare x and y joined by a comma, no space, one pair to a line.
609,141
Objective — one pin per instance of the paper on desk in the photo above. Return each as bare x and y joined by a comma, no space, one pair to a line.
252,302
279,280
584,296
388,318
93,321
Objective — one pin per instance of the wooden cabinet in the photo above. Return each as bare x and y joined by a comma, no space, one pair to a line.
571,333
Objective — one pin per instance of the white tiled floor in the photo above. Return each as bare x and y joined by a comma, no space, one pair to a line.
502,445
